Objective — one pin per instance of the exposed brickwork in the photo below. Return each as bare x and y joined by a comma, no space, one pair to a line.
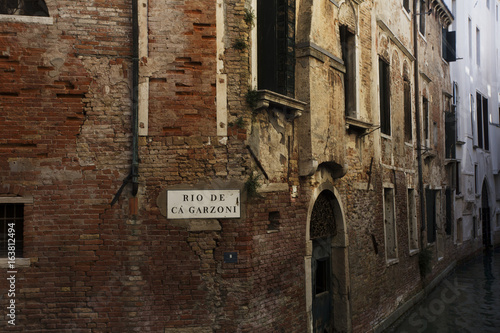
66,141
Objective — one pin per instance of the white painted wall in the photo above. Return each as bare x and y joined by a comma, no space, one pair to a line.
472,77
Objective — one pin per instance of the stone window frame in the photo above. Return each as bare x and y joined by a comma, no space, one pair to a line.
22,18
27,19
407,107
19,262
411,212
389,190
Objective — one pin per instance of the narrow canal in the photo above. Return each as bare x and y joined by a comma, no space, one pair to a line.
468,300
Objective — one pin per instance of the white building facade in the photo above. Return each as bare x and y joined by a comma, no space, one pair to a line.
476,102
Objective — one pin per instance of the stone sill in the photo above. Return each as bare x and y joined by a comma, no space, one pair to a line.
27,19
293,108
391,262
18,263
414,252
357,125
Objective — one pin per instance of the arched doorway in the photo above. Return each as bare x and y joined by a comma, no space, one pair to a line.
485,216
326,264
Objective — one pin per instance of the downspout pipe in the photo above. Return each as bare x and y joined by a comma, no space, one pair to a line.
417,121
134,170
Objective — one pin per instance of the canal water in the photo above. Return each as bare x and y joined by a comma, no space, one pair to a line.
468,300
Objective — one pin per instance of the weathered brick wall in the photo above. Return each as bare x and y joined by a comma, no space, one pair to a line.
65,139
65,142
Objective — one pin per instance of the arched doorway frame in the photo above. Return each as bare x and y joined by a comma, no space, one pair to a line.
339,263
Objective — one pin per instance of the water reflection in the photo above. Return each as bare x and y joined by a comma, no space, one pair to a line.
466,301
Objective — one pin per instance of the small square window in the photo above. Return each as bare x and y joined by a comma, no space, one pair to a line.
11,228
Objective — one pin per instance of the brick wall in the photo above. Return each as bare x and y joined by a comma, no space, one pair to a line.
65,140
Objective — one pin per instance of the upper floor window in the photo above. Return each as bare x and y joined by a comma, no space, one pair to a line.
407,110
276,46
24,7
422,13
482,121
347,41
427,134
385,97
448,39
450,127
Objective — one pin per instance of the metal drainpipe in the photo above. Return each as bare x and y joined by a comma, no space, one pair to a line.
134,171
417,120
135,99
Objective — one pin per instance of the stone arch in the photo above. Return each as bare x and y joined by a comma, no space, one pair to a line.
348,17
326,223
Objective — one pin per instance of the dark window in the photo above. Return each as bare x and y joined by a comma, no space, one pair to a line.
385,97
11,219
486,141
276,46
348,44
24,7
422,15
457,179
449,45
482,122
430,204
475,179
425,106
274,221
449,209
450,128
474,227
406,5
322,275
407,109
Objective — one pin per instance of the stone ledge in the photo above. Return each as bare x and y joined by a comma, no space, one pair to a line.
26,19
19,262
291,107
273,187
